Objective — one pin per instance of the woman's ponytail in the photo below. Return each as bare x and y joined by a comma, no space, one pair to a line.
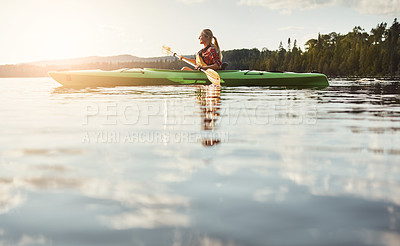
217,46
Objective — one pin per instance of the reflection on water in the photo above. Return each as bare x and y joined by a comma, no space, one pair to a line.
295,167
209,99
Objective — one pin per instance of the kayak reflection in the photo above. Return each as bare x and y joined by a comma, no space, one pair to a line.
209,99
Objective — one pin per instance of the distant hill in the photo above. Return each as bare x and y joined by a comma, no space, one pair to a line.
41,68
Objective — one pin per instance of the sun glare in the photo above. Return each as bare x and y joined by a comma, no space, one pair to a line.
50,31
53,30
60,36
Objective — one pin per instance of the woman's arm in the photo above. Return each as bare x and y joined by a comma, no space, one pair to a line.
214,66
191,60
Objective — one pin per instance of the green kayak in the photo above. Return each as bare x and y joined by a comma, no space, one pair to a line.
147,76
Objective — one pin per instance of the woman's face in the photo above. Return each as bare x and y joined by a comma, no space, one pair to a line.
204,39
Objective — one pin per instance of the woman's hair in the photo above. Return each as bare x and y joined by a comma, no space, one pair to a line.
214,42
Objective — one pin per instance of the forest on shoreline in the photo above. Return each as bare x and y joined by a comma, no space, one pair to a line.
355,54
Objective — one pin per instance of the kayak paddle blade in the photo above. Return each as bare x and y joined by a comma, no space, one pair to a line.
166,50
213,76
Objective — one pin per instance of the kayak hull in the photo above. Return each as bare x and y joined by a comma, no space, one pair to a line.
153,77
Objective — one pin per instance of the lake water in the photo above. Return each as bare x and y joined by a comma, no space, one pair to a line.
199,166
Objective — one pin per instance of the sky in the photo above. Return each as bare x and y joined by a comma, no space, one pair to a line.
36,30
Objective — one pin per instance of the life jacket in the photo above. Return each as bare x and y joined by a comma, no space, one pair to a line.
200,61
199,57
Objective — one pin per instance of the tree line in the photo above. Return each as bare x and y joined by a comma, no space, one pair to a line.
357,53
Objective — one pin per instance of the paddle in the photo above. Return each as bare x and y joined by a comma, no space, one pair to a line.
211,74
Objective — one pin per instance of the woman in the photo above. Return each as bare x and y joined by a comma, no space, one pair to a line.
208,57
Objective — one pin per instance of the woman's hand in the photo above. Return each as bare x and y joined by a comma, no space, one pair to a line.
198,67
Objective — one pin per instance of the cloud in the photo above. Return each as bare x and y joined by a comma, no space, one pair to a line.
147,218
268,194
107,28
10,198
382,7
379,7
291,28
188,2
287,6
28,240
